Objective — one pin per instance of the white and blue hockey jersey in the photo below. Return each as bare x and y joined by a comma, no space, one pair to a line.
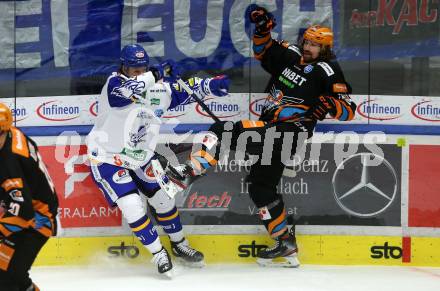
129,118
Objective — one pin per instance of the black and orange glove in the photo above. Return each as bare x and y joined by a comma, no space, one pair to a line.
263,19
325,105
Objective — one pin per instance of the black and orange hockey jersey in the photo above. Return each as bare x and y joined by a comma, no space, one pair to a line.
296,87
27,193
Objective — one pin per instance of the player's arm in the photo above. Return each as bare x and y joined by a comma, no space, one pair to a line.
123,91
336,98
17,202
44,200
273,54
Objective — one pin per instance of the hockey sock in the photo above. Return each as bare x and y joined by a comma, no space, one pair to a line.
147,234
203,154
171,225
200,161
274,218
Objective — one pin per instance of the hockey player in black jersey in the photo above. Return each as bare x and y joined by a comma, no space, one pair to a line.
306,85
29,204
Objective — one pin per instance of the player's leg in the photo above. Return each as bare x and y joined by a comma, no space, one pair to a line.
263,180
167,216
21,249
214,144
120,190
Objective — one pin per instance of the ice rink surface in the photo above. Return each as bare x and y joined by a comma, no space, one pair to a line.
238,277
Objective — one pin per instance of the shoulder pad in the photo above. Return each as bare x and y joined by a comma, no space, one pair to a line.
19,143
295,49
327,68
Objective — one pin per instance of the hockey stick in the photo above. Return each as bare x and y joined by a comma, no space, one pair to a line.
198,98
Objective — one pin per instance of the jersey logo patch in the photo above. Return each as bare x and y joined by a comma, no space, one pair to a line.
340,88
264,213
137,137
158,112
308,69
16,195
128,89
122,177
328,70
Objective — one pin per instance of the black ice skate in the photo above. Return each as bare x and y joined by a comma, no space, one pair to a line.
163,262
283,254
187,255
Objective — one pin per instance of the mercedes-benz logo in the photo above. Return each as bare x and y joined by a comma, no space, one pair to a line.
364,190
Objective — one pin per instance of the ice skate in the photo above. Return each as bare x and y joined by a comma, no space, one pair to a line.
163,262
284,253
187,255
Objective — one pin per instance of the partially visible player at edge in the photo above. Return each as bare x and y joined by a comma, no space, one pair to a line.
28,197
306,84
122,144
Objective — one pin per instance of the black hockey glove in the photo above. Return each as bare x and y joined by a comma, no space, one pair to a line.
263,19
325,105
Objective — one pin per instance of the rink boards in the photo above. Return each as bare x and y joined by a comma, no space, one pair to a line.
401,227
224,225
314,249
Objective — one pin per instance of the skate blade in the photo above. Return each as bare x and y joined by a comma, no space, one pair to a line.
194,265
168,275
281,262
159,173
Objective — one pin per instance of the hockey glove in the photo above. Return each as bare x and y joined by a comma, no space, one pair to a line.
168,70
263,19
217,86
157,71
325,105
171,71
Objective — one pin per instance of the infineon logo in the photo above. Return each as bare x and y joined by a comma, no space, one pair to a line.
177,111
371,109
220,109
427,111
19,114
256,106
53,111
93,109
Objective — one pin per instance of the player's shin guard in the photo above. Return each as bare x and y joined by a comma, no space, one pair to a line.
273,217
171,225
284,252
147,234
170,222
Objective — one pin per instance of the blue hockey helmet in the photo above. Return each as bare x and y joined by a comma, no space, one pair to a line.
134,55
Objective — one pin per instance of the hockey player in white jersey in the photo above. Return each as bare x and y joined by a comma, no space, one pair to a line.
122,144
